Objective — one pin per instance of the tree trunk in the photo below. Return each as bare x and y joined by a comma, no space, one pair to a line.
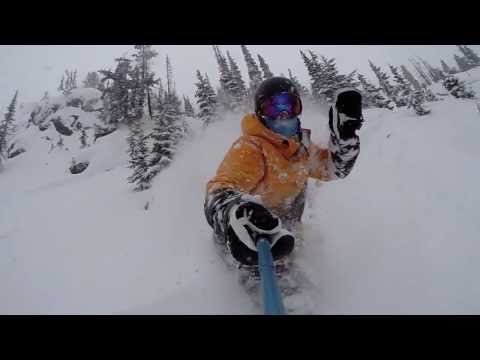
149,103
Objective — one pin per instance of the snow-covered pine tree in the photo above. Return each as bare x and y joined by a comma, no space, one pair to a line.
457,88
423,75
332,80
166,135
254,73
206,99
428,94
402,87
136,95
146,77
446,69
435,74
461,62
384,81
222,99
366,89
171,96
138,152
303,91
134,84
410,78
237,87
61,86
225,77
316,73
68,82
372,96
325,79
265,68
330,75
164,143
92,80
170,128
74,83
470,57
416,102
7,127
159,97
117,100
188,108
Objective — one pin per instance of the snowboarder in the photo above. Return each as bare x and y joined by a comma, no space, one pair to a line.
259,188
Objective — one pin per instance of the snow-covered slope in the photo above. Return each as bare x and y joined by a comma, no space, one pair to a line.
399,235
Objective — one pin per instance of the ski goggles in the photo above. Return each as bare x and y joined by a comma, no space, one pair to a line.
285,104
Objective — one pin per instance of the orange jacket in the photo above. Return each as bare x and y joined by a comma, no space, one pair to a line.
263,163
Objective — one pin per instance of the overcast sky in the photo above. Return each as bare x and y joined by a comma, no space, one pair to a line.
36,69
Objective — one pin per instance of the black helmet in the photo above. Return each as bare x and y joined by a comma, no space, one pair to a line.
272,86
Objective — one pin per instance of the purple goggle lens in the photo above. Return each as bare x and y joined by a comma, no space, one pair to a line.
273,106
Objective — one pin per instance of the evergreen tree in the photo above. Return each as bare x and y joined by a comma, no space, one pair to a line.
7,126
92,80
117,97
434,73
470,57
188,108
302,90
160,97
254,73
138,152
61,86
164,143
206,99
420,72
146,77
428,94
384,82
68,82
170,96
416,102
372,96
447,69
314,70
333,81
325,79
170,128
410,78
136,95
237,87
265,68
167,134
402,87
462,63
457,88
225,79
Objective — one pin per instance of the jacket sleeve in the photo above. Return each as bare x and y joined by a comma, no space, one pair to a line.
318,163
242,168
337,161
240,172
